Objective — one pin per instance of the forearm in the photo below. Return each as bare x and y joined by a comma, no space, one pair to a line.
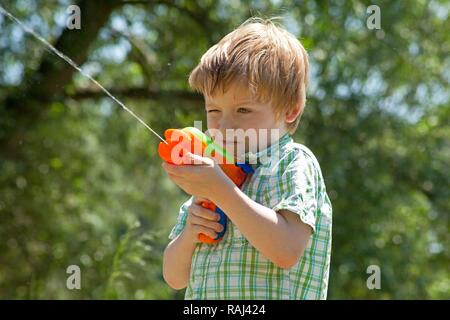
269,232
177,261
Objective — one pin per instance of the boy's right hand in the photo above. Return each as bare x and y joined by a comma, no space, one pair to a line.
201,220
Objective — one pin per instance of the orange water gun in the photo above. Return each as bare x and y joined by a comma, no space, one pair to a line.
191,139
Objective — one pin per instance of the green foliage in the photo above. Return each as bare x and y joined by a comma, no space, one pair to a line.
81,182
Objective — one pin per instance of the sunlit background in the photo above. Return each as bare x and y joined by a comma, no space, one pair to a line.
81,182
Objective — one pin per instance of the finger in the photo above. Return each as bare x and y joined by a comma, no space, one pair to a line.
198,221
199,200
191,158
177,179
185,171
207,231
171,169
199,211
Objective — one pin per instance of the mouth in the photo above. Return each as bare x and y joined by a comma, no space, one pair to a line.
231,143
224,142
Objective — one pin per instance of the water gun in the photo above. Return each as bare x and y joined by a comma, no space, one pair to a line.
191,139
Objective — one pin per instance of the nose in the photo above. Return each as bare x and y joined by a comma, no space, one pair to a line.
223,129
226,122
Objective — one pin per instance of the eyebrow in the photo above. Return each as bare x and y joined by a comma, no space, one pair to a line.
233,105
243,102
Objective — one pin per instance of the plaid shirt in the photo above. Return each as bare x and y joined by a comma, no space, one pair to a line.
290,178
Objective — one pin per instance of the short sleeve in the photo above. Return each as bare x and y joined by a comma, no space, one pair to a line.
181,220
295,186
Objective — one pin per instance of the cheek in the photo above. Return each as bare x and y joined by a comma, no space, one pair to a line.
263,120
212,123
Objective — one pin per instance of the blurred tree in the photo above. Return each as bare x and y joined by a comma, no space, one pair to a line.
80,180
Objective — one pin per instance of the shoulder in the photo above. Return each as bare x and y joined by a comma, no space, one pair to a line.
296,156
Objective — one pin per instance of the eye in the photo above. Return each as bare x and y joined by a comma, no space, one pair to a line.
212,110
243,110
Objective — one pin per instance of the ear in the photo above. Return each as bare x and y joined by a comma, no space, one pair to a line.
293,114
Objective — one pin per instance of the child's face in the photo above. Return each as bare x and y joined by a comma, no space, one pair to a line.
236,109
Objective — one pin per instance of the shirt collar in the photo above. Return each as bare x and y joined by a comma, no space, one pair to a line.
265,155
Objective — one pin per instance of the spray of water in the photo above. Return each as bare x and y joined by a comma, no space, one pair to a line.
73,64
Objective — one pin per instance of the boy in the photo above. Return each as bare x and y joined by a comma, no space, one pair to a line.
278,241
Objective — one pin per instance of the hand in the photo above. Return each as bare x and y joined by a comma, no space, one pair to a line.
201,220
203,178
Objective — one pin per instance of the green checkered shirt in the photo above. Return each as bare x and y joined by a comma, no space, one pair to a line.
287,176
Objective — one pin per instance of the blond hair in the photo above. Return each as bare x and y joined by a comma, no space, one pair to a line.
263,55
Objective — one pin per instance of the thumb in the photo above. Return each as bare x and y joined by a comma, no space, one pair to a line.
198,200
191,158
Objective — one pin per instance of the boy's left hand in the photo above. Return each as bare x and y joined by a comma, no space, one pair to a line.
204,178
